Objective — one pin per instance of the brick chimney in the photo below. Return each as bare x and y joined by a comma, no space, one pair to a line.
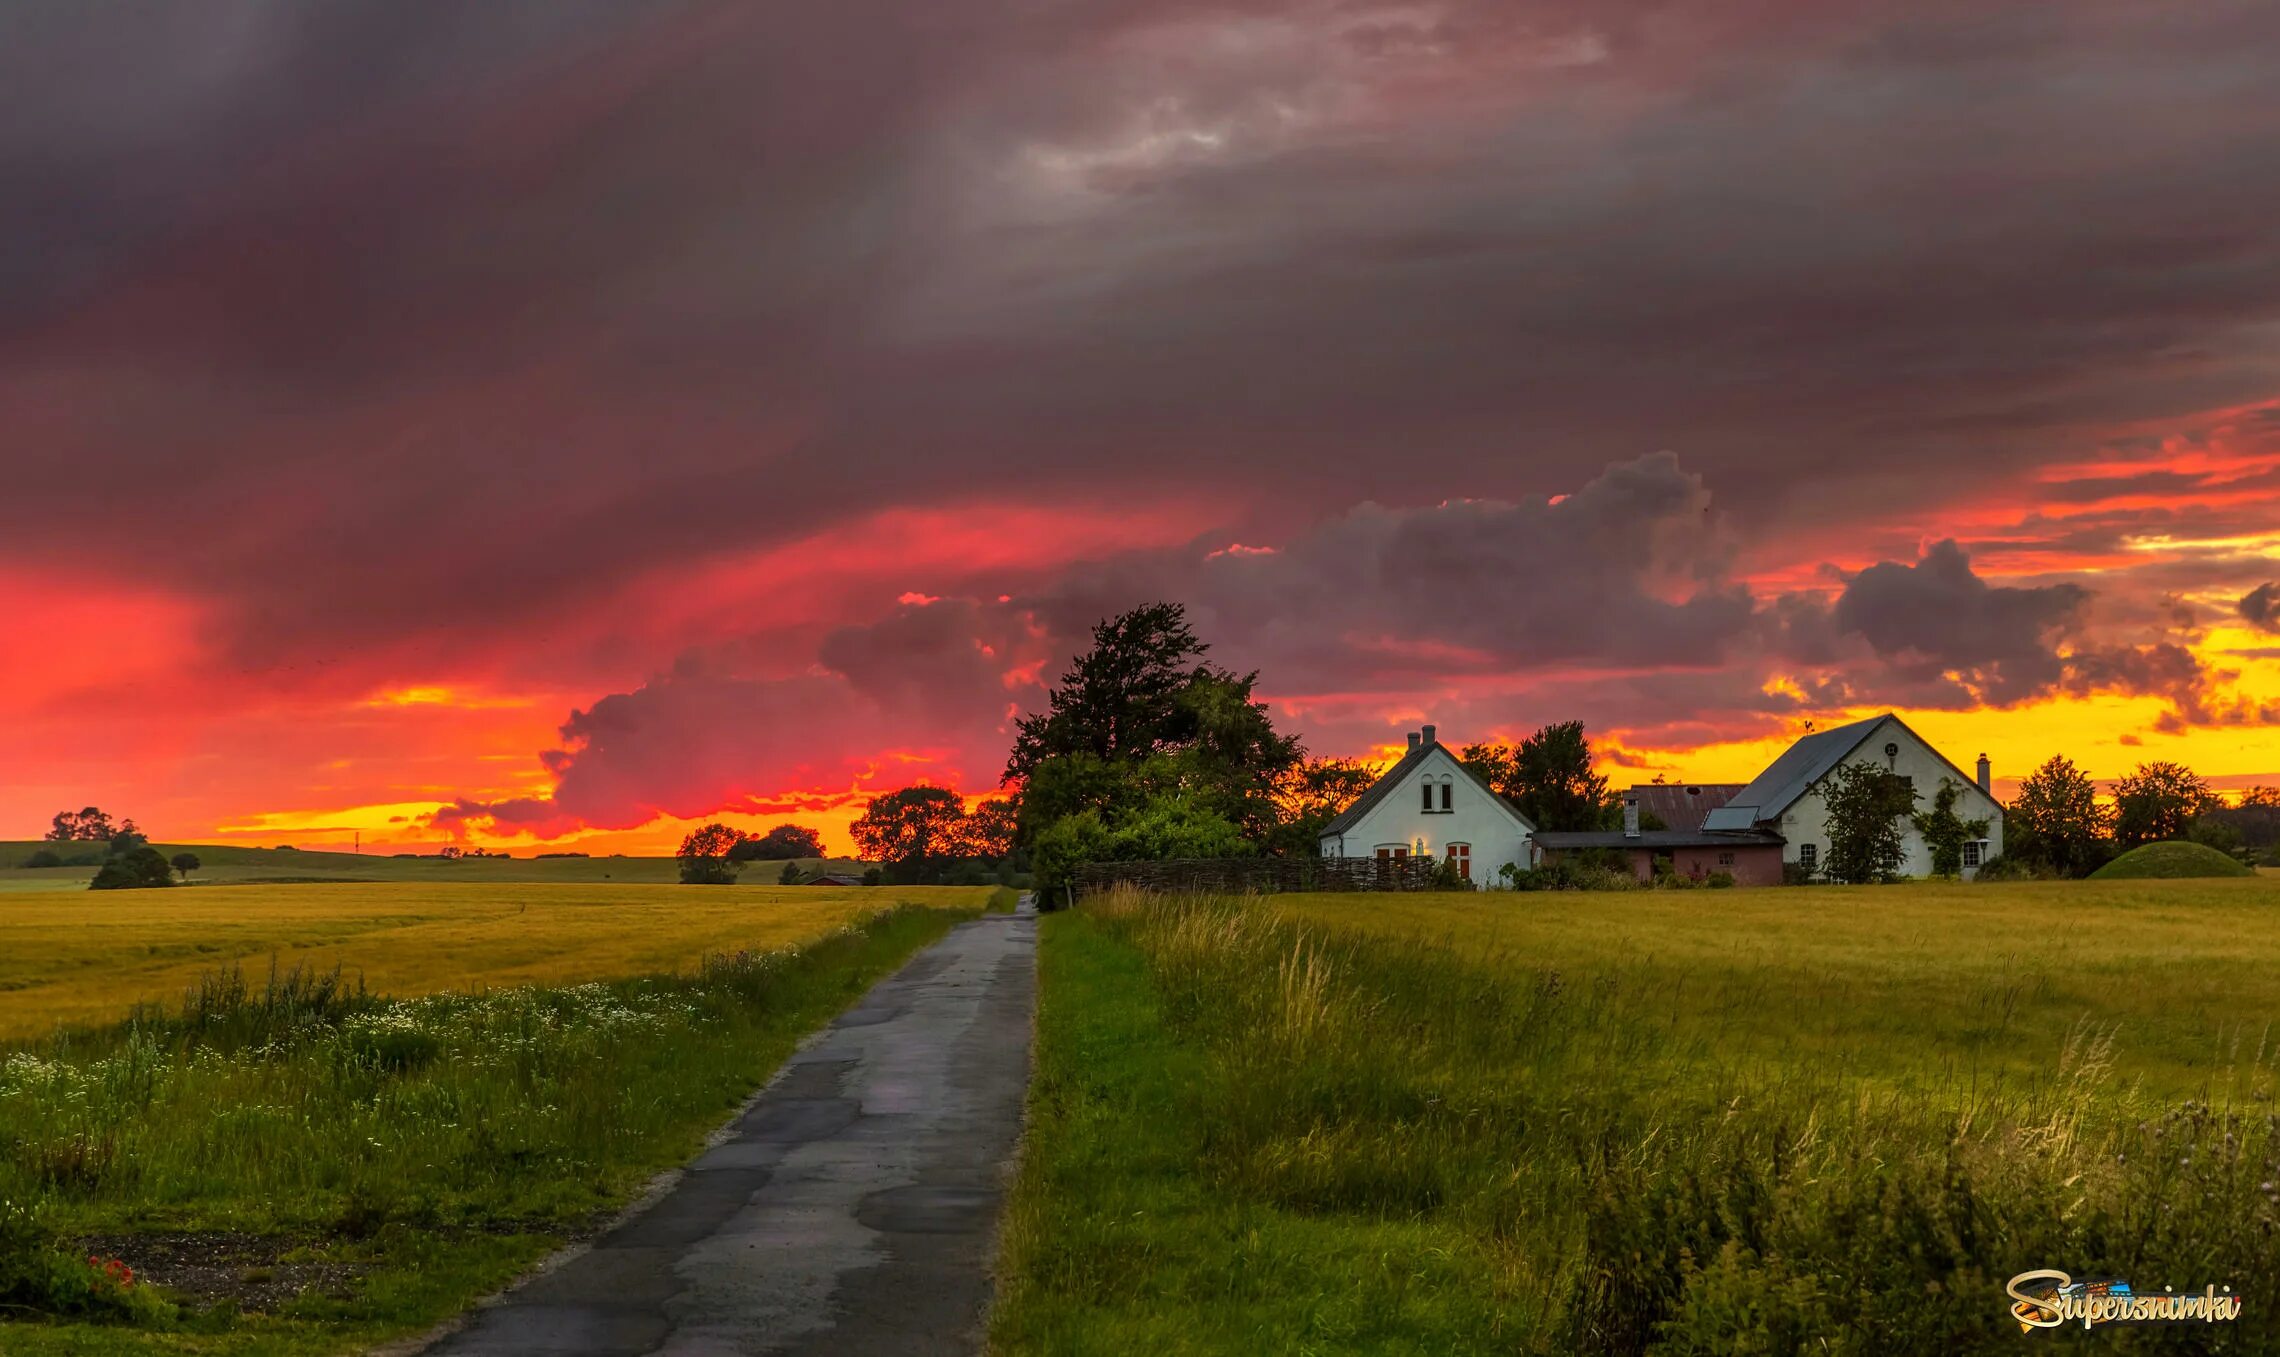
1631,817
1986,776
1429,733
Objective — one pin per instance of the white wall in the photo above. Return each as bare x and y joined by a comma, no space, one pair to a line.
1807,820
1474,817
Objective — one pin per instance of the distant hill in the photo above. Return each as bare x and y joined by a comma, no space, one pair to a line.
2176,858
233,865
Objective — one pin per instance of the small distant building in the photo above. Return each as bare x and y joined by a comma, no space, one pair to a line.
1429,804
1680,805
1751,856
1786,799
834,879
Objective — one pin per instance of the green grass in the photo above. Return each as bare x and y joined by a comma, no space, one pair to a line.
418,1152
228,864
1536,1125
2175,859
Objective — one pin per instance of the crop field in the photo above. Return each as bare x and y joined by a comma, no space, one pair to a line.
1676,1122
80,959
292,1160
230,865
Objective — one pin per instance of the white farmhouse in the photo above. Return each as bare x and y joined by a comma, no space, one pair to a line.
1429,804
1787,797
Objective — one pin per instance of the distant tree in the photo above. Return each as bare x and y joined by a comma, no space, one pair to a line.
1867,806
704,856
990,828
2159,801
1945,833
1120,699
44,857
790,876
872,876
127,840
83,824
2056,821
141,869
186,863
451,852
1310,795
1549,776
779,843
913,830
2254,820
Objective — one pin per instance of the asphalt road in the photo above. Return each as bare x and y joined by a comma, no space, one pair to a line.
853,1210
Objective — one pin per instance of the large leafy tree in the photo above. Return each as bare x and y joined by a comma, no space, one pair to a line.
1139,722
2159,801
1868,809
1549,776
989,829
1945,832
706,856
137,869
913,830
2056,821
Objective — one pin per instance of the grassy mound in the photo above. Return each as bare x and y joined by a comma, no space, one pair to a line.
2176,858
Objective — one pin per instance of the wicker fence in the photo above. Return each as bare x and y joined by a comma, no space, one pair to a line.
1234,876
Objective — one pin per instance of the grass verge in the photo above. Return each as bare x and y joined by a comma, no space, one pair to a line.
342,1168
1251,1135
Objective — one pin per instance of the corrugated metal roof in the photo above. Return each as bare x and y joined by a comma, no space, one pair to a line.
1681,805
1653,838
1786,778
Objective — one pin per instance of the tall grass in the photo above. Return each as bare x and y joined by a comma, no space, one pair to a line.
303,1106
1573,1169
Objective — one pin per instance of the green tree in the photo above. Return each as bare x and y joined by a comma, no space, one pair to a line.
139,869
1945,833
990,829
790,876
1867,808
1549,777
2159,801
2056,821
705,859
186,863
914,830
1120,699
127,840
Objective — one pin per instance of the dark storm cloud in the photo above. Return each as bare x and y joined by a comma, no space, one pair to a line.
394,297
1937,617
2261,607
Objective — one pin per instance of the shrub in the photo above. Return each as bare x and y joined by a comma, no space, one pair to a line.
143,869
1796,874
2003,867
44,857
1720,880
873,876
37,1276
790,876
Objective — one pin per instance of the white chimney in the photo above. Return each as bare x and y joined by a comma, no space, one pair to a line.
1630,817
1429,733
1986,775
1413,739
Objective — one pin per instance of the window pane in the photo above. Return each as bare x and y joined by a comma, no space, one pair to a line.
1428,797
1444,796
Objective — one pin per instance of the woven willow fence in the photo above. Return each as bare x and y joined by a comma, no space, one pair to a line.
1234,876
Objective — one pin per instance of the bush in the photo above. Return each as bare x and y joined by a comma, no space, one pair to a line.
2003,867
143,869
44,857
790,876
1719,881
1796,874
36,1275
1563,874
873,876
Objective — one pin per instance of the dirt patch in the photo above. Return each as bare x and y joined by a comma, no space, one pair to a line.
210,1267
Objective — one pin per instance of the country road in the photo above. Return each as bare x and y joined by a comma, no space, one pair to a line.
852,1210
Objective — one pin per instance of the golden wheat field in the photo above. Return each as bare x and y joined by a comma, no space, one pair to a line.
80,958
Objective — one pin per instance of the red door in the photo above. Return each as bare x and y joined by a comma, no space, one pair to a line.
1460,854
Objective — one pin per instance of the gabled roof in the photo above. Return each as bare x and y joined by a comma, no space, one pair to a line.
1786,778
1407,764
1806,762
1681,805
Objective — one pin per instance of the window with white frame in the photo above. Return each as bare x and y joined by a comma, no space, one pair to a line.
1972,853
1809,856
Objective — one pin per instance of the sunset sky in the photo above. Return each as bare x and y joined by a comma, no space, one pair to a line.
551,424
